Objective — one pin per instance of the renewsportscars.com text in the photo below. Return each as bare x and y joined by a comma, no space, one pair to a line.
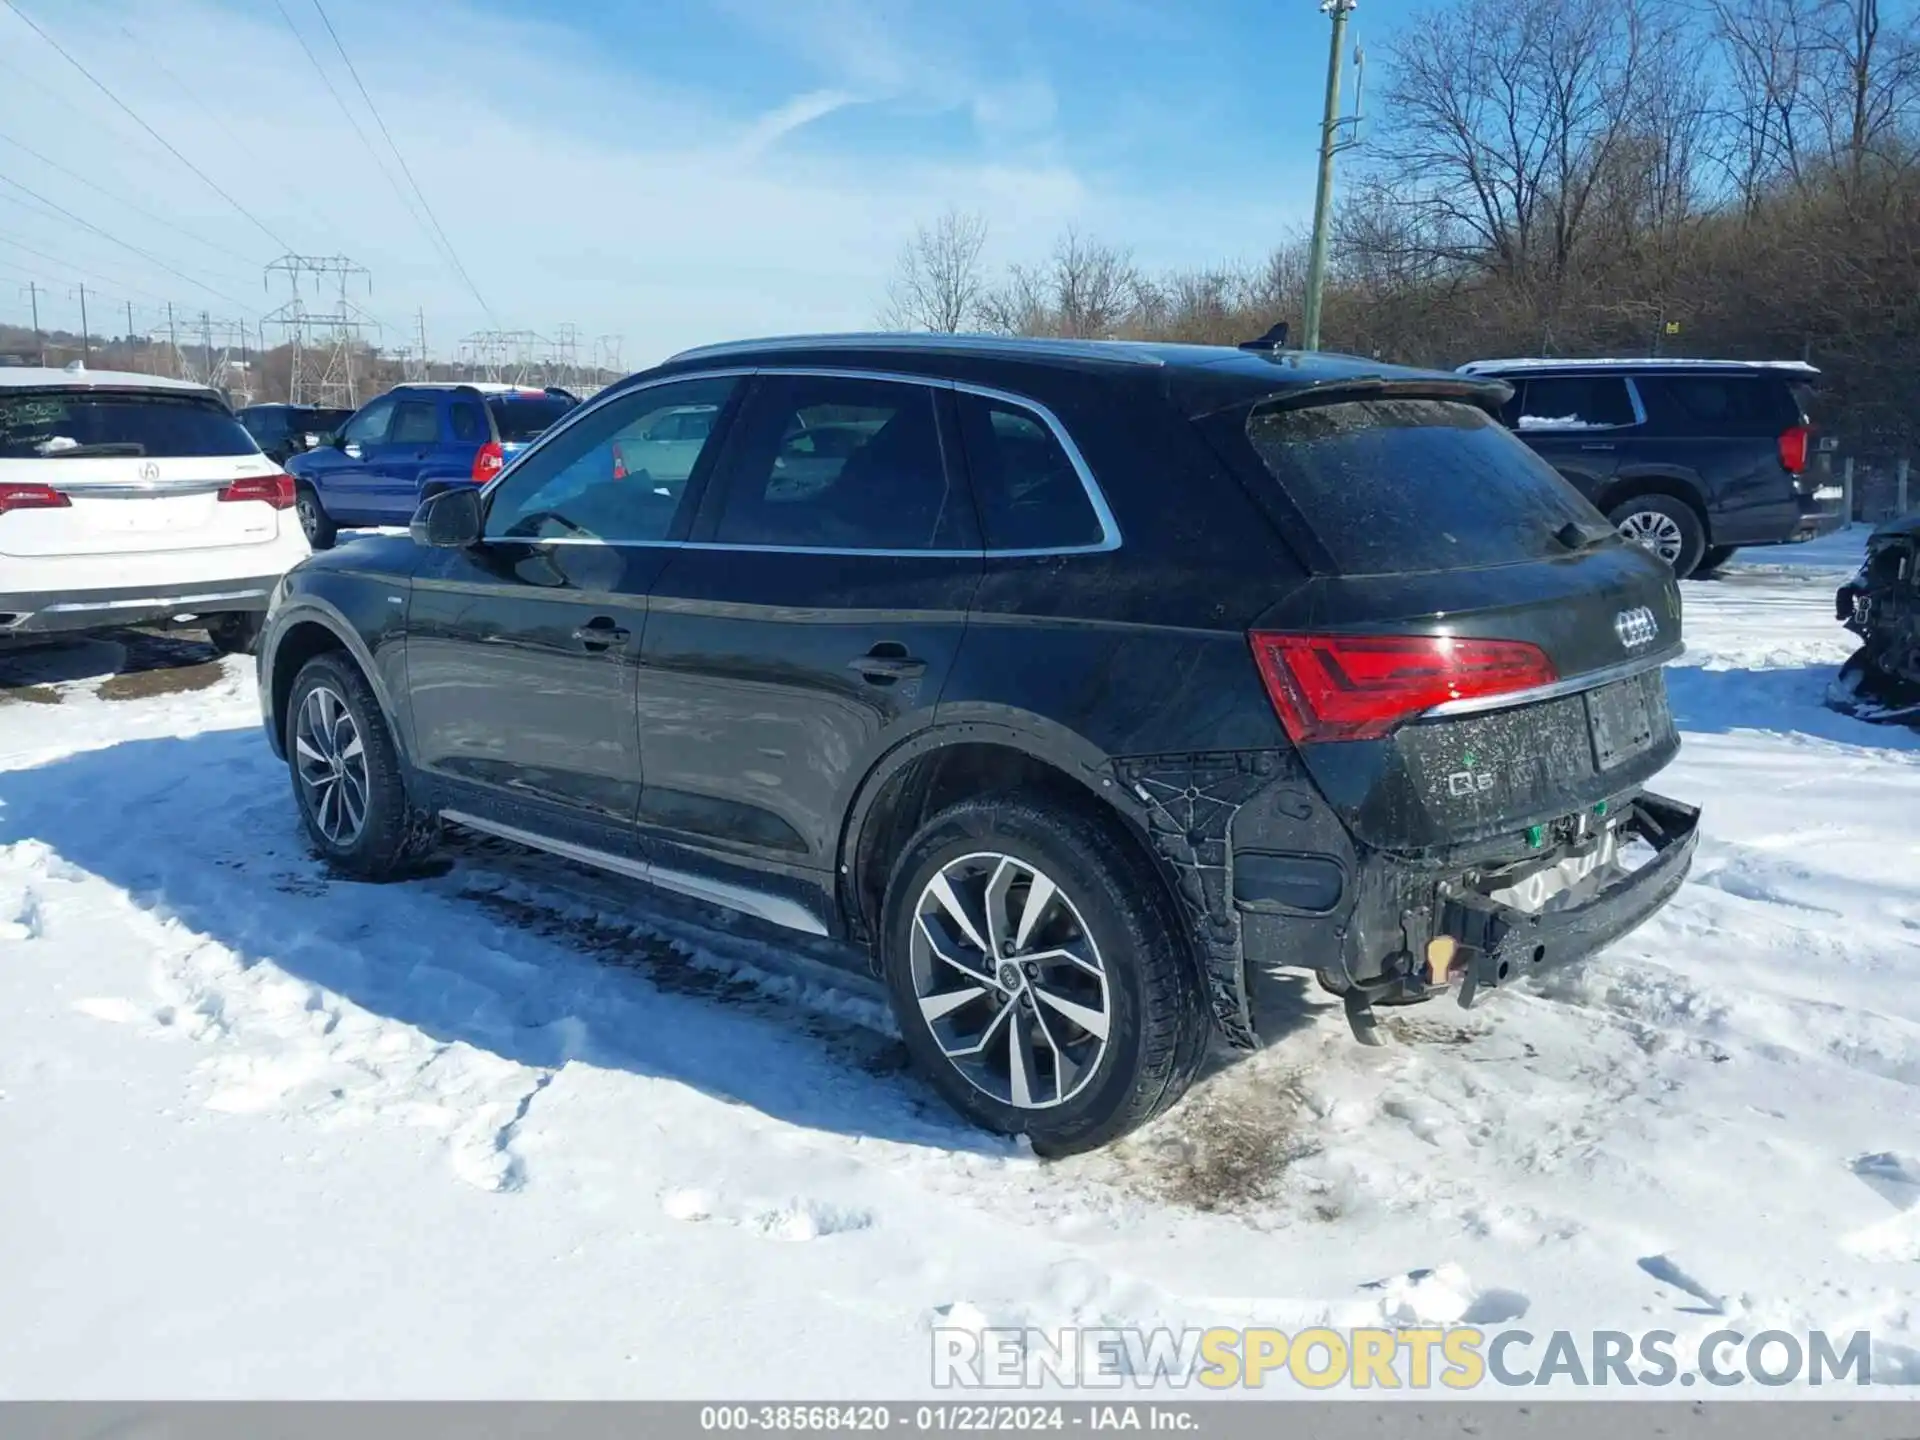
1460,1357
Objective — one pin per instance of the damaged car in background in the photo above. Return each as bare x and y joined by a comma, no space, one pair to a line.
1881,680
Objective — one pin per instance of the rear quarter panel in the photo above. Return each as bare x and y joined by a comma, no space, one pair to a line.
1141,649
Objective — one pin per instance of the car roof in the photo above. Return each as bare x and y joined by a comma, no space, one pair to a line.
35,377
1217,370
484,387
1650,362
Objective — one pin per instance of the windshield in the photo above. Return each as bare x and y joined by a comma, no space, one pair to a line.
47,424
519,418
1392,485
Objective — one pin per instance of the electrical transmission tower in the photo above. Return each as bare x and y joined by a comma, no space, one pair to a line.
510,356
606,353
323,339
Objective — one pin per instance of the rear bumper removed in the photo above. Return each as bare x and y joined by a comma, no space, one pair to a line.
52,612
1495,944
1473,942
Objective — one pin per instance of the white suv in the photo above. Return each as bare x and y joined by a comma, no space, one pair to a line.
130,499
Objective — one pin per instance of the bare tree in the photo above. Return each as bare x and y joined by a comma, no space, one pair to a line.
1499,126
938,281
1086,289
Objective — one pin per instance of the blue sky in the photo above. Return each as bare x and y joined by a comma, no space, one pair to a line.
674,172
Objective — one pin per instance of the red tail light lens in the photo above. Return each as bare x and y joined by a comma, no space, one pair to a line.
1794,445
31,497
487,462
275,489
1359,687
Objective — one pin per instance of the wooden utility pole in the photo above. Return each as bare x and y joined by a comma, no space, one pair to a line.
33,298
1330,144
86,337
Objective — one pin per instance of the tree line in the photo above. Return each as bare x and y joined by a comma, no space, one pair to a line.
1726,178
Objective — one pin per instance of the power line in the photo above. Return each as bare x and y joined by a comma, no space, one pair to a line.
62,264
346,110
209,181
153,260
76,176
452,254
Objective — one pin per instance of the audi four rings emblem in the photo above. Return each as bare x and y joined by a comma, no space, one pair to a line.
1636,627
149,472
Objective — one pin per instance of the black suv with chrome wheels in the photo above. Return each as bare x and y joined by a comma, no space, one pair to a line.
1092,693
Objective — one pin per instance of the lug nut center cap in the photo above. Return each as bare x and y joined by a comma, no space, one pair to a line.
1010,977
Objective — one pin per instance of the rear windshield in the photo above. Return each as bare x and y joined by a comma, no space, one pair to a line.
47,424
521,417
1394,485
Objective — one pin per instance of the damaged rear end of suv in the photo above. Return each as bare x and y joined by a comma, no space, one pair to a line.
1881,604
1471,679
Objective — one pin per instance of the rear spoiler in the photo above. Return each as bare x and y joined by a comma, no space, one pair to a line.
1487,393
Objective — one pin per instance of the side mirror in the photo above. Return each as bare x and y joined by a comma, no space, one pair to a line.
449,520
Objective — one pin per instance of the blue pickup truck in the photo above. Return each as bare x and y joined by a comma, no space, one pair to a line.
410,443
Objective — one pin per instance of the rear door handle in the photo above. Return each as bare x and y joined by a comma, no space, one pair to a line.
600,633
886,669
1597,445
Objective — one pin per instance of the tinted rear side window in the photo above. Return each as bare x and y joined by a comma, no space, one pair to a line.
1721,405
1029,494
49,423
1409,485
519,418
467,424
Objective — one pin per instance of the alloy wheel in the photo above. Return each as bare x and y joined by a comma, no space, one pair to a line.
309,514
1009,981
331,760
1657,532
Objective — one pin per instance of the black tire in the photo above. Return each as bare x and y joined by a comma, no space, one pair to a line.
390,839
1157,1022
1716,556
1650,511
236,633
314,520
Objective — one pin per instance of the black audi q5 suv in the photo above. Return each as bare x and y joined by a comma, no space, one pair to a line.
1093,693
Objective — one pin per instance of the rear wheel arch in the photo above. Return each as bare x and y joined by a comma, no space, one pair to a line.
1678,487
943,766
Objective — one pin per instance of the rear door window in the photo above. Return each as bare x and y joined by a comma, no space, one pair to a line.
519,418
415,422
834,463
1029,494
46,424
1390,485
1575,402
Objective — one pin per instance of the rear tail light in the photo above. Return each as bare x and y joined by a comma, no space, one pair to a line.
1359,687
276,489
487,462
1794,445
31,497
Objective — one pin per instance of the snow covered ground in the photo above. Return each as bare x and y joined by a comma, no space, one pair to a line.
508,1132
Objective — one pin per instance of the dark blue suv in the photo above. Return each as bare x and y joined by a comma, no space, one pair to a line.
412,442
